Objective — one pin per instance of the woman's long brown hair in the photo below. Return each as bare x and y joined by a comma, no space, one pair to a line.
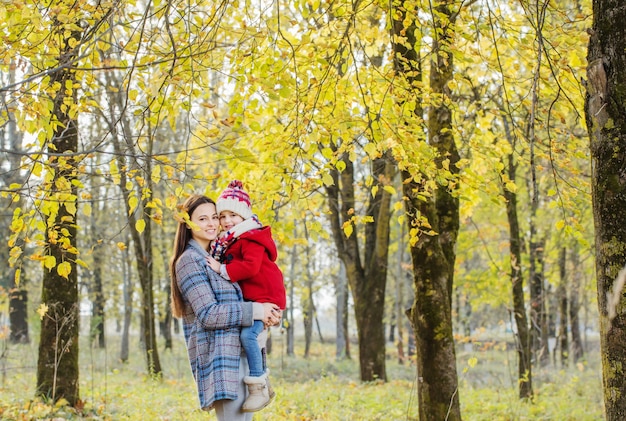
183,235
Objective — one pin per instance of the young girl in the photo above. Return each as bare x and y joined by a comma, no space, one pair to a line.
246,253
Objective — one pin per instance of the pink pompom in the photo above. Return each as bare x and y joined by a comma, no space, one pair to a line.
235,184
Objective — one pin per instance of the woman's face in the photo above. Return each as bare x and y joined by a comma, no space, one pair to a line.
206,224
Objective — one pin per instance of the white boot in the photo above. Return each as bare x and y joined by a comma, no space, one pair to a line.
258,395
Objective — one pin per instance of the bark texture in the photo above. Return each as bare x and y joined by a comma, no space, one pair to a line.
563,306
367,275
11,140
605,111
433,255
524,369
57,365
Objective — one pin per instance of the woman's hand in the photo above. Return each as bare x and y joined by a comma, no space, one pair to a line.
214,264
272,314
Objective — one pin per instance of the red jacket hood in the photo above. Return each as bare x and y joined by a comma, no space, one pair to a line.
263,236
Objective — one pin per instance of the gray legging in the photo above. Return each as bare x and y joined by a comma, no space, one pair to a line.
230,410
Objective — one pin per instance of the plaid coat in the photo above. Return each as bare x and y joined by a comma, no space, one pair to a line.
213,316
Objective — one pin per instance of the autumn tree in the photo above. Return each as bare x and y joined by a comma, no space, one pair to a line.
604,109
57,365
367,275
432,207
11,180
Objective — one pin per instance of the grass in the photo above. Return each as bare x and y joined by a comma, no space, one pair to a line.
317,388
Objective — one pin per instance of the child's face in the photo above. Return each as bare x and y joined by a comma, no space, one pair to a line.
229,219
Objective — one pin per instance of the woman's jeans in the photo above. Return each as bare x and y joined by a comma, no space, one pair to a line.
249,341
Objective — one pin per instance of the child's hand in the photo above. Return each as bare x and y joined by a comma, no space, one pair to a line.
214,264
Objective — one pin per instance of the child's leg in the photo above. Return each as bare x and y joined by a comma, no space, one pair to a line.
251,346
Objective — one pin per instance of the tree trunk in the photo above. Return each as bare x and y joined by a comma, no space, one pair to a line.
166,318
129,169
18,295
399,298
606,122
57,365
574,307
317,322
433,255
308,312
367,281
18,312
144,266
128,305
342,345
97,313
431,313
538,304
524,369
563,314
290,304
307,320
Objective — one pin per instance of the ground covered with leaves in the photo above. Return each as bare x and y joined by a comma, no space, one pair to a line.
317,388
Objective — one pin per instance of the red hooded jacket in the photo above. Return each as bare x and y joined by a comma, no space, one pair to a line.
251,261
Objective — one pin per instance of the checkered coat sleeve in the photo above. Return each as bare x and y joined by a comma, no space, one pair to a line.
213,316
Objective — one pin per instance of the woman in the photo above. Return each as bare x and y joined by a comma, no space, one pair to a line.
213,313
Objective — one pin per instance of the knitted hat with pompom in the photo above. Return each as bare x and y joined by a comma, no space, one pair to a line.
235,199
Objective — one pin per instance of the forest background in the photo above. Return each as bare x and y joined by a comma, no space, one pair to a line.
424,156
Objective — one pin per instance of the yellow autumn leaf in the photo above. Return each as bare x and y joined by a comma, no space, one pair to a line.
347,229
156,174
511,186
49,262
121,246
86,209
42,310
140,225
71,207
132,203
390,190
371,150
15,253
18,276
472,362
244,155
64,269
114,171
